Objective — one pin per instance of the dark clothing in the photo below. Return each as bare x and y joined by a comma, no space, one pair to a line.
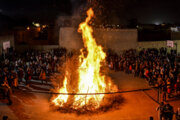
7,93
168,112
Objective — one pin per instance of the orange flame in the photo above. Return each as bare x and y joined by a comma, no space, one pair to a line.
61,99
90,80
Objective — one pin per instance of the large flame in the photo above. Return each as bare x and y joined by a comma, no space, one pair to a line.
89,80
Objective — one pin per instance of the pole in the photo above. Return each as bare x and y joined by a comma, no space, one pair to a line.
159,101
176,49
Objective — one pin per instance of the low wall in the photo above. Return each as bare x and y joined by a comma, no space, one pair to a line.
139,46
158,44
21,48
115,39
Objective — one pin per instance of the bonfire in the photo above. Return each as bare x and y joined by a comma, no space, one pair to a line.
84,84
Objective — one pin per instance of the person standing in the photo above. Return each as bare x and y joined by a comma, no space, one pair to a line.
7,92
20,74
161,110
178,114
15,81
168,112
1,77
42,76
159,81
168,87
164,90
28,76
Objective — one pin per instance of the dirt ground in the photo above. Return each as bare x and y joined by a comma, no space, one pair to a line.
135,105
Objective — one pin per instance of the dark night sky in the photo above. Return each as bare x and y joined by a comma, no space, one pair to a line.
146,11
152,11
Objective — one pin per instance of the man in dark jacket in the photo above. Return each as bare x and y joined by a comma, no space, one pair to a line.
168,112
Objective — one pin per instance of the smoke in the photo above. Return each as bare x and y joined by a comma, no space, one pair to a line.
78,7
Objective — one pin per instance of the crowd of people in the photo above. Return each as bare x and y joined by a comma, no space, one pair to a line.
158,67
16,67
